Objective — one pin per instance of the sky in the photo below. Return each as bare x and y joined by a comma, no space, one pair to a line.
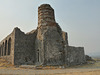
80,18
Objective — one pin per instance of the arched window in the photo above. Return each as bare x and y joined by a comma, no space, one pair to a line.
9,46
5,51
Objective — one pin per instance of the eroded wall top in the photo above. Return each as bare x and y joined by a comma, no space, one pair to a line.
45,15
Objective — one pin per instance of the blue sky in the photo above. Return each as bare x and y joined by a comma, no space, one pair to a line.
80,18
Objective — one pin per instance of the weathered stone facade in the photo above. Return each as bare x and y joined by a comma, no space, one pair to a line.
47,45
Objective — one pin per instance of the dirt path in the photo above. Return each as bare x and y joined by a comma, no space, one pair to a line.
50,72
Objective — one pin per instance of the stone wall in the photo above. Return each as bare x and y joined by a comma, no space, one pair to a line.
24,48
49,42
65,37
7,47
50,45
74,55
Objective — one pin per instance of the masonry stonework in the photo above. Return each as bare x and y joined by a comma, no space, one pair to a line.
46,45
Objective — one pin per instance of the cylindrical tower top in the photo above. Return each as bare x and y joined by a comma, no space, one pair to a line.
45,15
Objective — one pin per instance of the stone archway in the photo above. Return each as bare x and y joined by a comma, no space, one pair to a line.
9,46
5,51
1,50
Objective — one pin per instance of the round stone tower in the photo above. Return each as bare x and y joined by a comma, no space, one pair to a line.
45,15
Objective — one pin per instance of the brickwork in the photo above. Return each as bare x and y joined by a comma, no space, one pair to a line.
45,15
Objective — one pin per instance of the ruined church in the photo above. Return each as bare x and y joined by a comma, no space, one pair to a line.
46,45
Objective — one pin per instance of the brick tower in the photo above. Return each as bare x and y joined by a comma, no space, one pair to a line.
45,15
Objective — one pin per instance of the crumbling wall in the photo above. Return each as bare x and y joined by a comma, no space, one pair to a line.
7,47
24,48
49,42
74,55
65,37
45,14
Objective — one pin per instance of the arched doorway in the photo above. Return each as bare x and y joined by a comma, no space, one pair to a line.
9,46
38,55
5,51
1,50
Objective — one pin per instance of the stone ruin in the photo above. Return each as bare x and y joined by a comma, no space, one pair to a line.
46,45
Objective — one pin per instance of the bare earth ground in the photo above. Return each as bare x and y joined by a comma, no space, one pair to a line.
50,72
89,69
